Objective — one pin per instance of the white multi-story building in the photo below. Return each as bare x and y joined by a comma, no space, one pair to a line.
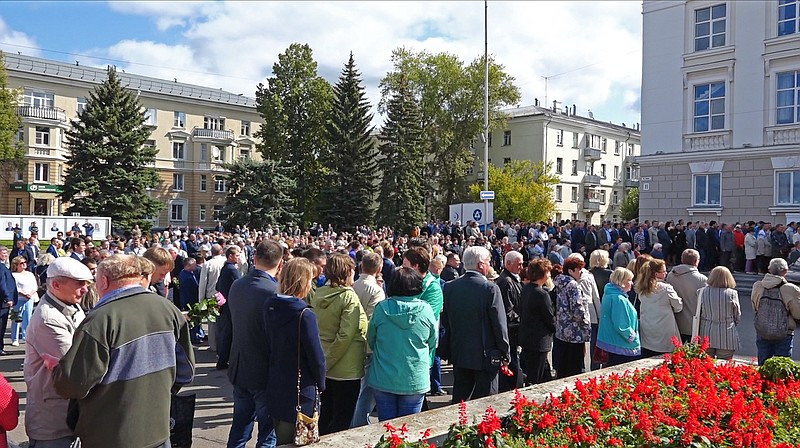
721,110
196,129
593,159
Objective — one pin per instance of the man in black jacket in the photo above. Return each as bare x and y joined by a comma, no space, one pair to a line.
510,286
475,327
229,274
249,360
450,271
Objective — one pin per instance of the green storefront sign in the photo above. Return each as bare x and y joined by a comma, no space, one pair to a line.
37,188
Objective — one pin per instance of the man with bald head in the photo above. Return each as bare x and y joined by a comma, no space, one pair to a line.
510,285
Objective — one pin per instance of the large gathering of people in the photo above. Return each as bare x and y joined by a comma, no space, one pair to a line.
352,323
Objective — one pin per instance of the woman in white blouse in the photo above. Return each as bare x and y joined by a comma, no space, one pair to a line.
659,303
27,287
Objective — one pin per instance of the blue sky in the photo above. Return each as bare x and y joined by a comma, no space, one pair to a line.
597,45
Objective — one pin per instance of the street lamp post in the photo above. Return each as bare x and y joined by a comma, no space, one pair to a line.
486,112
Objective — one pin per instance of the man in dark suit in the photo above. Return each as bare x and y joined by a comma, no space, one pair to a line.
249,357
510,286
475,324
229,274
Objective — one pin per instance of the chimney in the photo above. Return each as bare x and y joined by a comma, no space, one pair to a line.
555,105
536,102
574,110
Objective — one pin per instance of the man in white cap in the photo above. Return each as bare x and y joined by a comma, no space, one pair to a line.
49,337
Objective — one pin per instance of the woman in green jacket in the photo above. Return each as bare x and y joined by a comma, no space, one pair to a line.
402,335
342,331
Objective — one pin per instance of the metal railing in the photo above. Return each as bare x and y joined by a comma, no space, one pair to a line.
42,113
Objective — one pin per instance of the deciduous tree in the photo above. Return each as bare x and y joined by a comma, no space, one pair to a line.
109,169
629,209
11,149
523,189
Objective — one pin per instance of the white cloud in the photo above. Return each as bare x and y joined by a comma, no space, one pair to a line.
591,51
13,41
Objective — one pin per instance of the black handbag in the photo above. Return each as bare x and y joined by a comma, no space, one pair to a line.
181,420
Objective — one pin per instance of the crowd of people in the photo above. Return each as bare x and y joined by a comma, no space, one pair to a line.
346,323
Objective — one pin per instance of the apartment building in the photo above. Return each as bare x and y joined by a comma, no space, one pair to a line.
594,160
721,110
196,129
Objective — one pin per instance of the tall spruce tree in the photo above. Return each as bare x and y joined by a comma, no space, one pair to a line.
346,198
108,167
11,149
401,198
295,105
258,195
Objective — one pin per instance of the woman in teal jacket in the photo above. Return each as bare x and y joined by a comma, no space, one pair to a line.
402,335
619,323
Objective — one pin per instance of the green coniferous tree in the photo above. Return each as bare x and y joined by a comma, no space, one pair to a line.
258,195
11,150
346,198
109,169
401,198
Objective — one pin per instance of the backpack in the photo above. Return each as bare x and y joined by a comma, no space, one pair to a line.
771,319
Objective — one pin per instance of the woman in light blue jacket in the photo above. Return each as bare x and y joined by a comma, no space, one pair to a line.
619,323
402,335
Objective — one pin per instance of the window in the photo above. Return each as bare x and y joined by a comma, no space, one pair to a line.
41,172
179,120
215,123
470,170
788,17
42,136
18,176
202,215
219,184
589,168
245,130
560,137
603,170
177,182
244,152
631,148
506,160
602,196
574,194
506,138
788,187
37,98
574,139
709,27
20,138
558,193
574,167
489,137
203,182
707,189
81,105
217,214
709,107
559,165
593,141
616,147
788,101
219,153
615,197
203,152
176,212
178,151
616,172
150,117
60,174
603,145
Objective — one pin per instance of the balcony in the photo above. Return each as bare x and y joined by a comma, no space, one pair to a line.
783,135
217,135
707,141
592,154
51,114
631,183
591,205
591,179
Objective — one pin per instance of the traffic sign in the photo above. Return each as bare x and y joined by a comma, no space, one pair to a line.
487,195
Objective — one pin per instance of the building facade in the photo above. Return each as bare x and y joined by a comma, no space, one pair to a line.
721,111
194,128
593,160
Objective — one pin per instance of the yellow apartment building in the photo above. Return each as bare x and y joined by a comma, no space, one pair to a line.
195,128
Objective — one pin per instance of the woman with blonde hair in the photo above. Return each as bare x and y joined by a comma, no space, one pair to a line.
292,336
720,313
659,303
619,323
635,266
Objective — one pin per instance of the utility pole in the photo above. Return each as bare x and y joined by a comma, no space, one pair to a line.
486,112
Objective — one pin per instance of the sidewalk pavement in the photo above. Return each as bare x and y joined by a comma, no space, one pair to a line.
214,407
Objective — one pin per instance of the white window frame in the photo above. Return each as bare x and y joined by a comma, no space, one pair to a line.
245,152
41,173
151,116
711,22
203,183
506,138
178,181
604,145
574,167
178,119
80,104
214,123
202,213
710,100
558,193
216,212
559,165
220,150
42,136
615,197
204,156
575,140
560,137
617,144
794,199
593,141
177,205
220,184
44,99
707,177
616,172
574,195
603,170
245,128
795,91
179,150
